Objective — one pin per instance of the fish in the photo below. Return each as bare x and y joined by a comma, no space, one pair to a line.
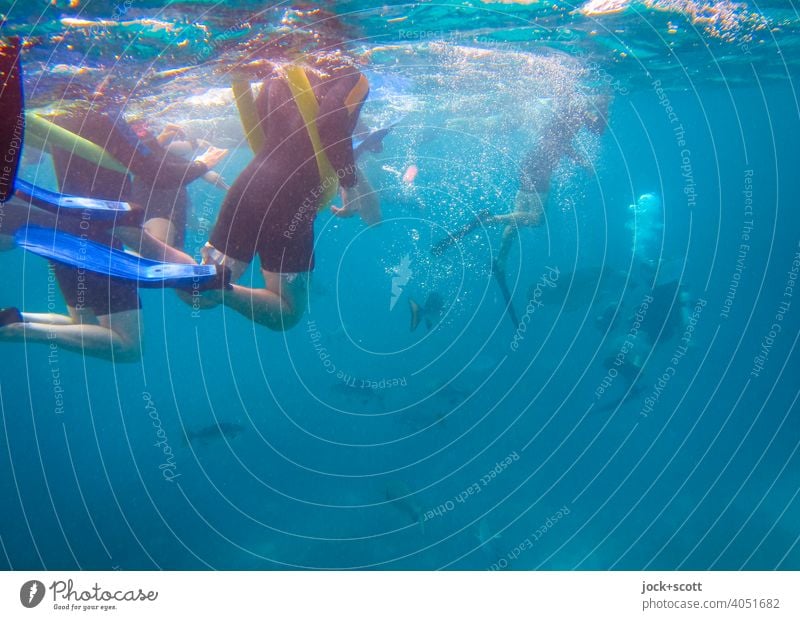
431,311
222,430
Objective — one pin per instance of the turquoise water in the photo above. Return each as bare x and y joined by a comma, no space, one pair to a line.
476,444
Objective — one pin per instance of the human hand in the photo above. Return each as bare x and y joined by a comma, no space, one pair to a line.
360,199
212,156
350,205
170,132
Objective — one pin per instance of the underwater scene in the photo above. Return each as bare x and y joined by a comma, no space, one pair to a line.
480,285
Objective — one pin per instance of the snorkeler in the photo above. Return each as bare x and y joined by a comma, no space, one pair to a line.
167,206
103,317
306,116
156,174
555,143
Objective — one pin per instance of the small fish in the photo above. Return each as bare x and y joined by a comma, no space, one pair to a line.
431,311
222,430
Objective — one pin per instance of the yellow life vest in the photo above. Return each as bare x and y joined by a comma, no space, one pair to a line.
243,95
307,104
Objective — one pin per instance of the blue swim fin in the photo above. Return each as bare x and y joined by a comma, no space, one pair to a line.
80,253
54,201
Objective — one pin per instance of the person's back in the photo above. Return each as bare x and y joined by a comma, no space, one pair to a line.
286,139
274,201
271,207
159,177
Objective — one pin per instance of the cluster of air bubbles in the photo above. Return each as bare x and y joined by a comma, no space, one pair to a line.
646,224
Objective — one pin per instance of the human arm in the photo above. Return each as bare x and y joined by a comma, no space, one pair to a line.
361,200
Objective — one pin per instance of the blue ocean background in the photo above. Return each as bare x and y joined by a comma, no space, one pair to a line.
365,445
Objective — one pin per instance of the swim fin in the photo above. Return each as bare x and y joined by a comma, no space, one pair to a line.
55,201
479,220
9,316
13,123
372,142
500,278
80,253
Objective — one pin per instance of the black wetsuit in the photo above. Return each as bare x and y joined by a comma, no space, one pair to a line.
12,123
271,207
147,161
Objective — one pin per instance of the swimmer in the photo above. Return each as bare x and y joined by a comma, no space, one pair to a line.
103,312
167,205
554,144
158,171
660,315
271,207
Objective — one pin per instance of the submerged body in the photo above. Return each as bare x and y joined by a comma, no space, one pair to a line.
271,207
